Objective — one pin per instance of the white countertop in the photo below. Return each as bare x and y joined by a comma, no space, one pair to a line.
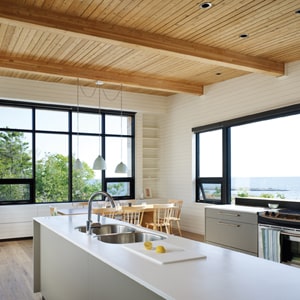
222,275
241,208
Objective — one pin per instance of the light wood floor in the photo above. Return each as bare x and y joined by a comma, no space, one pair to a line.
16,268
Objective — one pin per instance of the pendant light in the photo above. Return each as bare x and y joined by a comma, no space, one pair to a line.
121,167
77,164
99,163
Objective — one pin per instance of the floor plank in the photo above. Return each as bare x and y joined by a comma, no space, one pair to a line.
16,270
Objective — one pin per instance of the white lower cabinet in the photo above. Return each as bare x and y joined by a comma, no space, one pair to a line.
231,229
16,220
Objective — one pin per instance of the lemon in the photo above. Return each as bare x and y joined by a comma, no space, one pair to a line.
148,245
160,249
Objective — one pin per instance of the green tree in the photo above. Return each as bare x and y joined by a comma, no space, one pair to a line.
84,183
15,162
52,180
243,193
15,155
52,173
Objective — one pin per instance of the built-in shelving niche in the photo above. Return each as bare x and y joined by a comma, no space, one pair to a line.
151,152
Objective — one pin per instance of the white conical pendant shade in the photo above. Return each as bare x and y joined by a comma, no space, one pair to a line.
99,163
77,164
121,168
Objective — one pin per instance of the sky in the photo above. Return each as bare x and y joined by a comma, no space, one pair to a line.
261,149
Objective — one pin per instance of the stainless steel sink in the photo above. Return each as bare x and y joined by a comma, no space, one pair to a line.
107,229
129,237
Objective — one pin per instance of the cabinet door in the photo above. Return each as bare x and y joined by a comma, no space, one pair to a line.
232,234
233,215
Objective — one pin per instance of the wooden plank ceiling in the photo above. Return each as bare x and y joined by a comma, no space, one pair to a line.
149,46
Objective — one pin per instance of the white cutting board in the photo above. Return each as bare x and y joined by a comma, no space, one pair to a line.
173,253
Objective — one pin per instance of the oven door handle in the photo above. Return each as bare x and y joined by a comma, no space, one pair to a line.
292,236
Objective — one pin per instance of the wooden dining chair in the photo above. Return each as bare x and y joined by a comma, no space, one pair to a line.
104,212
53,210
133,215
176,213
161,217
80,204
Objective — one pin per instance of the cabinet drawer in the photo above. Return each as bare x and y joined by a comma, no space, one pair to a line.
231,215
232,234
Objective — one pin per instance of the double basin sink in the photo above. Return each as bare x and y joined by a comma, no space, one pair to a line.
120,234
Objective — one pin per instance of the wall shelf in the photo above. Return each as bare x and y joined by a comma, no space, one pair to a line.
151,152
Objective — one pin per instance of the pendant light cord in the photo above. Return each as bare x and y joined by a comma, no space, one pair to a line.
77,117
99,121
121,122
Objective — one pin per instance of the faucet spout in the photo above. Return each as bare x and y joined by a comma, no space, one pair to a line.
93,196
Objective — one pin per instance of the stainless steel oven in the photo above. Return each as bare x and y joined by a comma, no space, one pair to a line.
279,236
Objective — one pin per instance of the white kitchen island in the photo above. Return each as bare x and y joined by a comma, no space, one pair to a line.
71,265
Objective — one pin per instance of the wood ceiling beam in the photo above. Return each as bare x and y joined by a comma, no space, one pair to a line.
137,80
138,39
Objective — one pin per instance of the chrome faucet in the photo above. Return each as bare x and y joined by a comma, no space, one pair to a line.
89,221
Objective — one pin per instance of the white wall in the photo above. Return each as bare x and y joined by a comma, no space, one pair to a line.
231,99
179,114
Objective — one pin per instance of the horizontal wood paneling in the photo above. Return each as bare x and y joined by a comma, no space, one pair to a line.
154,47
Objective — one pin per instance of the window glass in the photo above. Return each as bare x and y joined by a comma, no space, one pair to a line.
52,168
86,148
51,120
15,154
15,118
86,181
265,160
14,192
210,148
113,125
210,192
37,163
118,189
118,150
86,122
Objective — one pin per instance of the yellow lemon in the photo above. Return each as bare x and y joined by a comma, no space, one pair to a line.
160,249
148,245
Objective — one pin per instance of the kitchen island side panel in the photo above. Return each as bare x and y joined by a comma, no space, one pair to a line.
70,273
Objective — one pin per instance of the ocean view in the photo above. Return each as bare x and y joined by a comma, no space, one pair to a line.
289,187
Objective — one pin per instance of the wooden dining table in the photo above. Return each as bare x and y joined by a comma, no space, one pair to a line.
148,212
72,211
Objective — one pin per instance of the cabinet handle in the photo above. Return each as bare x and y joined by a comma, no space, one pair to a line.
228,214
229,224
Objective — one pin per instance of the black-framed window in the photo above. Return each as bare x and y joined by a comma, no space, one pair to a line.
255,156
39,144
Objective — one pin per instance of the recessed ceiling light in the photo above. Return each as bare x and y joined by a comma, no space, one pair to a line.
205,5
244,35
99,82
297,12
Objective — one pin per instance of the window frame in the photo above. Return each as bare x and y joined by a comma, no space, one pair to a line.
71,132
225,126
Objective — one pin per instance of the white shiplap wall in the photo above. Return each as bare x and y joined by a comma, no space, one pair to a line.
43,92
30,90
179,114
227,100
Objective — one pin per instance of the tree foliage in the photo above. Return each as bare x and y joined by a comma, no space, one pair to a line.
15,155
51,174
15,162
